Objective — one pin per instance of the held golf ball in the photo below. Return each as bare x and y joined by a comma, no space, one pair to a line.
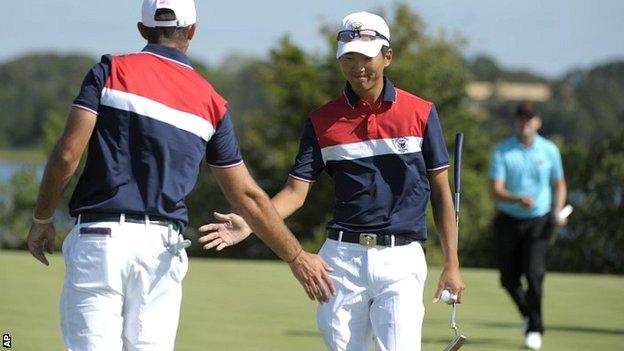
448,297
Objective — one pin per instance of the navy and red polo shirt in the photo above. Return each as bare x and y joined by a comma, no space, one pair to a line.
157,118
379,160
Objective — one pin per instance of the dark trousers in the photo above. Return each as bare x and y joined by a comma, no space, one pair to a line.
521,250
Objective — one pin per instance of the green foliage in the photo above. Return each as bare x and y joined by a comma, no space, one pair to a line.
429,67
33,86
241,81
18,200
22,155
594,239
587,105
484,68
271,137
20,194
35,92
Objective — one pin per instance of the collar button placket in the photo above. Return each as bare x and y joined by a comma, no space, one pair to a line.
371,126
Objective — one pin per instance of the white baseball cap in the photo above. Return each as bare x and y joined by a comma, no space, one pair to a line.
362,32
184,11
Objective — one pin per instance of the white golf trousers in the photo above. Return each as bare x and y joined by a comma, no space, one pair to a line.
122,291
379,297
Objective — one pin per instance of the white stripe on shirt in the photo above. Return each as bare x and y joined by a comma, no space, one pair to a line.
369,148
149,108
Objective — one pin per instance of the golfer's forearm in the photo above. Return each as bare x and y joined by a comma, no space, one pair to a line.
444,218
502,194
506,196
255,207
290,198
560,196
448,244
445,224
59,170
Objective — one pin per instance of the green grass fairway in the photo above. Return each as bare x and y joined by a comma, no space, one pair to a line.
251,305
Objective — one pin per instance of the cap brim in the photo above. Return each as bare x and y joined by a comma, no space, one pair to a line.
366,48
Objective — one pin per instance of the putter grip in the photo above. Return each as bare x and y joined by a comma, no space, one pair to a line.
459,143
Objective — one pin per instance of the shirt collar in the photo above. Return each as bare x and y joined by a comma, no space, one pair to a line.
168,53
518,142
389,93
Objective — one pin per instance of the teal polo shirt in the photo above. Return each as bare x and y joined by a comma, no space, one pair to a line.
527,171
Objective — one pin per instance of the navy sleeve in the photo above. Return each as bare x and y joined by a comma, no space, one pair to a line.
434,147
309,162
91,90
222,149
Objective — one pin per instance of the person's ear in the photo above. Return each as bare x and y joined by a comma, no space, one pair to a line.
191,31
142,29
538,122
388,57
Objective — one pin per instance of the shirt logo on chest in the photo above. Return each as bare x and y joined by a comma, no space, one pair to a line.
401,144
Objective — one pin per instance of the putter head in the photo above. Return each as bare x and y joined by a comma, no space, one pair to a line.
456,343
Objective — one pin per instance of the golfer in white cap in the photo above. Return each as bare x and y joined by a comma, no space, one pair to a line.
385,151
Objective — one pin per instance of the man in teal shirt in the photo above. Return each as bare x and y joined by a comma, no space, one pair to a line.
527,180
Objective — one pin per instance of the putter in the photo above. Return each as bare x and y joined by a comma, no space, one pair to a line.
459,339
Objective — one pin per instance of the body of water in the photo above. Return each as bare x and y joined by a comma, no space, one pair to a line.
8,169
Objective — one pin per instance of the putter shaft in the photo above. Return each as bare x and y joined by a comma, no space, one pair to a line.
459,339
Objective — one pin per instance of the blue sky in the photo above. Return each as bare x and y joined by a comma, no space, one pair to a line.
547,36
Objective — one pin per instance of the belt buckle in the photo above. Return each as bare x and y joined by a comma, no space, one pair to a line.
368,239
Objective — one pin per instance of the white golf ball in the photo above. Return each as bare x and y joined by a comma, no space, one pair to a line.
447,296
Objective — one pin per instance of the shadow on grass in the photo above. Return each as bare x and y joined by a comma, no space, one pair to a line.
562,328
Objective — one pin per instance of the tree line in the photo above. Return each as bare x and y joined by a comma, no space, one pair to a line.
271,98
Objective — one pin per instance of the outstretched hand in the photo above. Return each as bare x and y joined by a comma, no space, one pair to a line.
231,230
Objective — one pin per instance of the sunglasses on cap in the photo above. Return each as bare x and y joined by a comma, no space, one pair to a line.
346,36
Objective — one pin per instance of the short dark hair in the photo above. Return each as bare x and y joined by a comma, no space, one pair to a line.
384,50
159,35
526,109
